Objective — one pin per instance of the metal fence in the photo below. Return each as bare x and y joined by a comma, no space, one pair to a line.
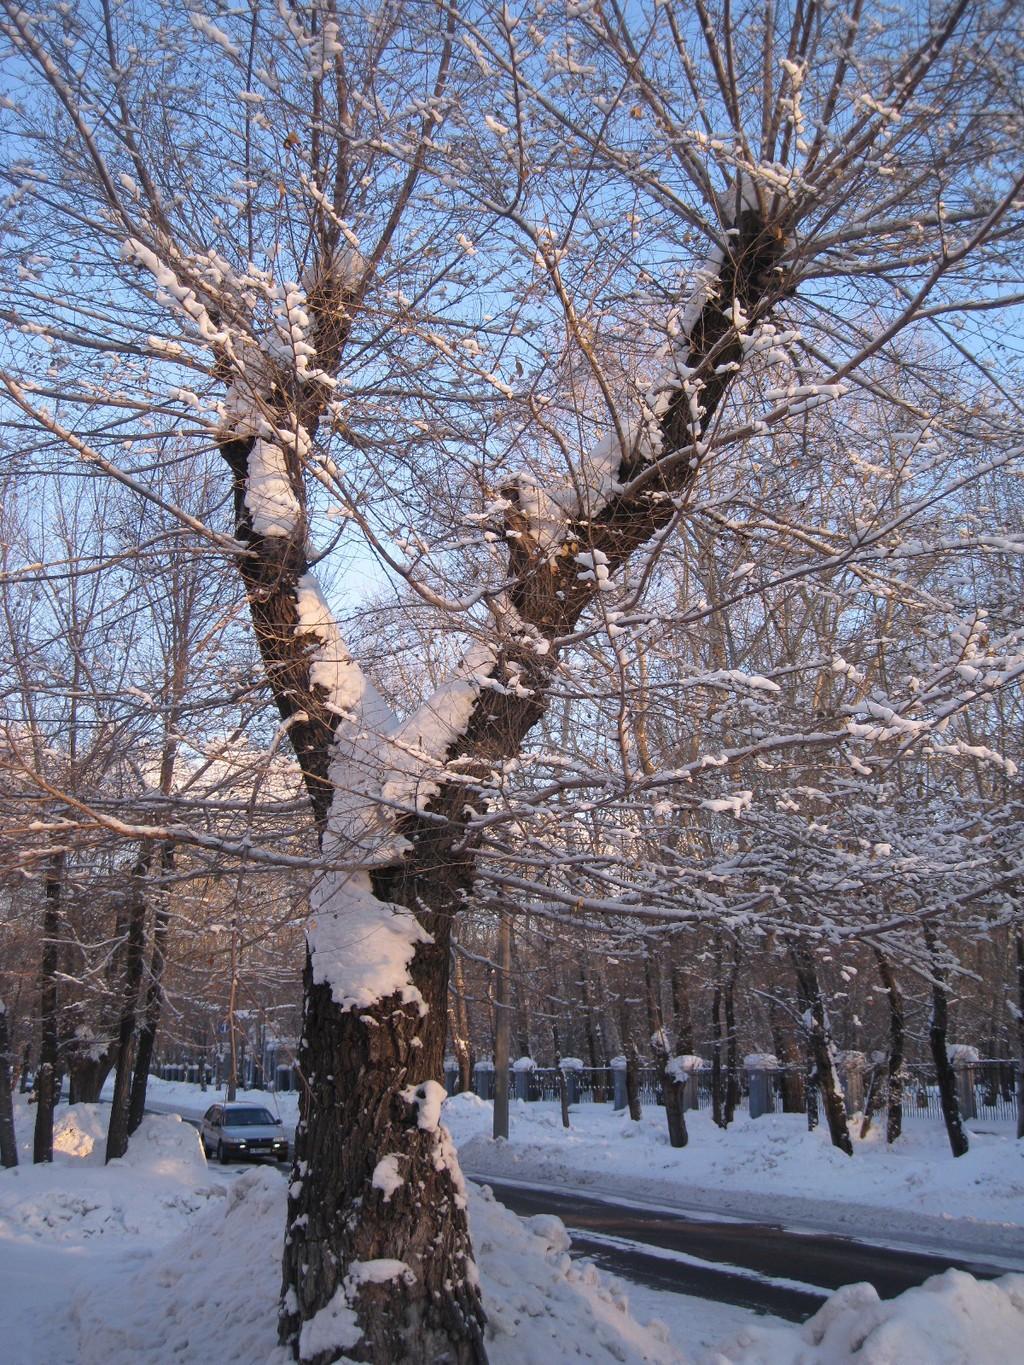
993,1084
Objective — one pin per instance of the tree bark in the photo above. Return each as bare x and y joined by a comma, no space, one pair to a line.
945,1075
894,1061
633,1083
118,1130
8,1142
502,1026
154,1002
359,1065
821,1048
791,1077
732,1068
46,1076
1018,941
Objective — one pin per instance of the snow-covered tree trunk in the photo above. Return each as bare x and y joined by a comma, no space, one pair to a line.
821,1048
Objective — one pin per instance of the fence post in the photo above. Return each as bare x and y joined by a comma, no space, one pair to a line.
483,1078
760,1092
963,1058
572,1066
522,1068
618,1069
685,1068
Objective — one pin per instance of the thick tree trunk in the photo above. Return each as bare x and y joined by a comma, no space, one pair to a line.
47,1075
944,1073
363,1069
821,1049
8,1143
117,1130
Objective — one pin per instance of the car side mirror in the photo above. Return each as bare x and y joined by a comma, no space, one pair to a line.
278,1122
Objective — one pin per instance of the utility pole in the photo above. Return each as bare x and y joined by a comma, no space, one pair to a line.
502,1024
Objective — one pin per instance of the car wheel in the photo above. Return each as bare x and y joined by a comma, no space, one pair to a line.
222,1155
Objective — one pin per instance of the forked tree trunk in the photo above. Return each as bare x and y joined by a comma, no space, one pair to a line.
47,1075
8,1143
821,1049
363,1068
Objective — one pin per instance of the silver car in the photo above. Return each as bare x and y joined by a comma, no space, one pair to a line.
242,1130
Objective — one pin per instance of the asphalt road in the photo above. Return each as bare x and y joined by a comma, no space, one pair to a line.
753,1265
759,1266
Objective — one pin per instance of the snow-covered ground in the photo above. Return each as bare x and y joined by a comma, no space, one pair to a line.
913,1193
158,1258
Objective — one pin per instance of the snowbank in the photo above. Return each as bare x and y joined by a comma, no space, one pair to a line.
211,1294
154,1258
951,1319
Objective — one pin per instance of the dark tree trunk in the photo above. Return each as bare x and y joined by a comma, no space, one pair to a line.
820,1048
791,1078
461,1034
1018,940
732,1067
8,1143
673,1092
894,1061
633,1083
944,1073
682,1012
47,1075
26,1066
380,1067
717,1087
117,1130
154,1000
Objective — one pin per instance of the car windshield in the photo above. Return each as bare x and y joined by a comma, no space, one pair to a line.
241,1118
